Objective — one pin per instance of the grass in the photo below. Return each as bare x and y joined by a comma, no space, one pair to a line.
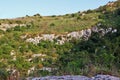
10,40
57,24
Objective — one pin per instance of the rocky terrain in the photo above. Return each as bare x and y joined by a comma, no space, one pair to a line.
82,43
4,27
61,39
68,77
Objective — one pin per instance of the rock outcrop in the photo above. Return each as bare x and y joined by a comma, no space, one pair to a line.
61,39
78,77
4,27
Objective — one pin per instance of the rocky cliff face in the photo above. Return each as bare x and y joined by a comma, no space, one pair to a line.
61,39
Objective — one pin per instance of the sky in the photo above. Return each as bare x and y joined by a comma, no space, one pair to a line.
20,8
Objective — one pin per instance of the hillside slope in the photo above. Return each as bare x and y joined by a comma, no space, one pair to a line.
89,43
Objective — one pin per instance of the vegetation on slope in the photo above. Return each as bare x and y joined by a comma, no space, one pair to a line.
95,55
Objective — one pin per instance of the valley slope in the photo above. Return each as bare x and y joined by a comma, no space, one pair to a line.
83,43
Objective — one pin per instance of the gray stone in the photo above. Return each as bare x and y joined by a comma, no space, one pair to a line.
77,77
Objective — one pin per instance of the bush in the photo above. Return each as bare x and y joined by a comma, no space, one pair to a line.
3,74
52,24
42,73
78,18
89,11
19,22
118,11
72,15
36,15
6,49
17,28
53,16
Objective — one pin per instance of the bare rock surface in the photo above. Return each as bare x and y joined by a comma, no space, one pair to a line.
78,77
61,39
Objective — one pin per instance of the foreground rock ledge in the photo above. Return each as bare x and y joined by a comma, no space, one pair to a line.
78,77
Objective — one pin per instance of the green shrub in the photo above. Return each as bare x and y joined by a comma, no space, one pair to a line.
52,24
